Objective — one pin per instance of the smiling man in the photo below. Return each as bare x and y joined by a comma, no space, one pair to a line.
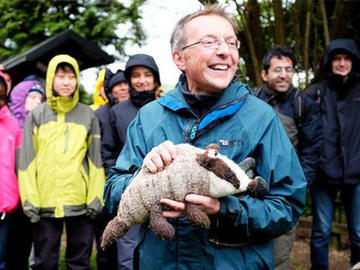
301,119
208,105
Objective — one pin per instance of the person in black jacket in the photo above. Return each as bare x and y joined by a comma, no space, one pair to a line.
116,90
301,119
142,73
339,99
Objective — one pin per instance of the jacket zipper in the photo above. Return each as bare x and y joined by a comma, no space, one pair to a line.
66,146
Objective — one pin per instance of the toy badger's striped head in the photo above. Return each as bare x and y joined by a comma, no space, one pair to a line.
228,177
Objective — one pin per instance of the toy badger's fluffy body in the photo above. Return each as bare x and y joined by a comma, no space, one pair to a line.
194,170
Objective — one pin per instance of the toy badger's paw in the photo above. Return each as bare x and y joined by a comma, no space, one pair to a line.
257,187
248,165
196,216
159,225
113,232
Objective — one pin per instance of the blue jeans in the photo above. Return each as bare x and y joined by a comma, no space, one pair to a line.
4,229
323,204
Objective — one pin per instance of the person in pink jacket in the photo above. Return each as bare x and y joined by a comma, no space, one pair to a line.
10,140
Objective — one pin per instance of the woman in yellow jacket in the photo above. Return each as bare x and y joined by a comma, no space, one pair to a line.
61,178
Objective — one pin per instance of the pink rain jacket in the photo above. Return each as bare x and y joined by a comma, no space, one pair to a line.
10,139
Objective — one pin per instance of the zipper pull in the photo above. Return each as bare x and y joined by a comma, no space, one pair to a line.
3,216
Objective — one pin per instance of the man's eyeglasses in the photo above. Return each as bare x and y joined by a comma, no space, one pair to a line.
214,43
279,69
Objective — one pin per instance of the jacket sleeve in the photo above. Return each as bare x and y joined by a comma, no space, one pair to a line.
310,132
250,219
96,171
27,170
109,143
126,166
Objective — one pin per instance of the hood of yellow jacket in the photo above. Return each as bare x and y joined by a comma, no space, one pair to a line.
57,103
98,99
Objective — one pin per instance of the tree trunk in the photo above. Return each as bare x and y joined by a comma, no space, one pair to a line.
306,41
250,43
325,22
296,13
279,22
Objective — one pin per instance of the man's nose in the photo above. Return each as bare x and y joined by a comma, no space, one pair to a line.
223,48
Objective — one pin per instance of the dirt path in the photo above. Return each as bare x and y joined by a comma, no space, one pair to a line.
300,255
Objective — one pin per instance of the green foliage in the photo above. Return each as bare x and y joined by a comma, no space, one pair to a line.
26,23
85,97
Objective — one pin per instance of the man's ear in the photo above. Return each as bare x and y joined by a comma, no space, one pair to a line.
264,75
178,59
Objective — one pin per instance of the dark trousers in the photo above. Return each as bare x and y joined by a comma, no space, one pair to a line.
106,259
323,203
20,239
79,239
4,230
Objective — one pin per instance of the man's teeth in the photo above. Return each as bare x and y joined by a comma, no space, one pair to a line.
220,67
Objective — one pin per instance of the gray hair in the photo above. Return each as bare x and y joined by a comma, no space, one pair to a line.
178,36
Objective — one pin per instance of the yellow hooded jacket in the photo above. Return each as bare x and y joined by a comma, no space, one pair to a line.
60,168
98,99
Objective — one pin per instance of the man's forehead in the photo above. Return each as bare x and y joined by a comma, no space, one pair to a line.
277,60
342,54
200,22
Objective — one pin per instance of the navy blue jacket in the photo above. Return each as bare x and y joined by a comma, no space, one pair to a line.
302,124
339,101
241,125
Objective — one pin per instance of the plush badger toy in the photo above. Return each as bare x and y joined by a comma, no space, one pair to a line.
194,170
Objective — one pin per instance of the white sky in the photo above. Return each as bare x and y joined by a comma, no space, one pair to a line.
159,18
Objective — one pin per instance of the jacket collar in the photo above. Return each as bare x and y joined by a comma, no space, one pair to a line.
175,99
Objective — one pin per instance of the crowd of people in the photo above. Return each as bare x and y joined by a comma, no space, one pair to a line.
65,164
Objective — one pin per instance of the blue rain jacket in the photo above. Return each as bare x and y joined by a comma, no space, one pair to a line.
242,126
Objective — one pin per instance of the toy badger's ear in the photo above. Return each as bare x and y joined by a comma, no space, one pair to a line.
213,146
206,160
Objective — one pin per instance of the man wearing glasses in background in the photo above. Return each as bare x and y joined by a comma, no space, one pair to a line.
208,105
301,119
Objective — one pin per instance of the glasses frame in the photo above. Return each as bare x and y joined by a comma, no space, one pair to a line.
219,42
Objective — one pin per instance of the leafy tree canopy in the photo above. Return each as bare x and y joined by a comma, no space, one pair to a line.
26,23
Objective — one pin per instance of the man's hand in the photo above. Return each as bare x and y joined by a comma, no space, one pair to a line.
207,204
159,157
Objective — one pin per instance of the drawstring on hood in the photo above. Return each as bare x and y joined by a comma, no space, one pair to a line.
57,103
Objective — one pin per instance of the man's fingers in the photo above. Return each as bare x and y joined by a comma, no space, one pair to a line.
164,154
178,206
172,214
159,156
197,199
170,148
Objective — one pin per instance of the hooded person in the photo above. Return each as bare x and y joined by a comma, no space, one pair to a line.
117,90
24,97
61,178
338,97
10,136
142,74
